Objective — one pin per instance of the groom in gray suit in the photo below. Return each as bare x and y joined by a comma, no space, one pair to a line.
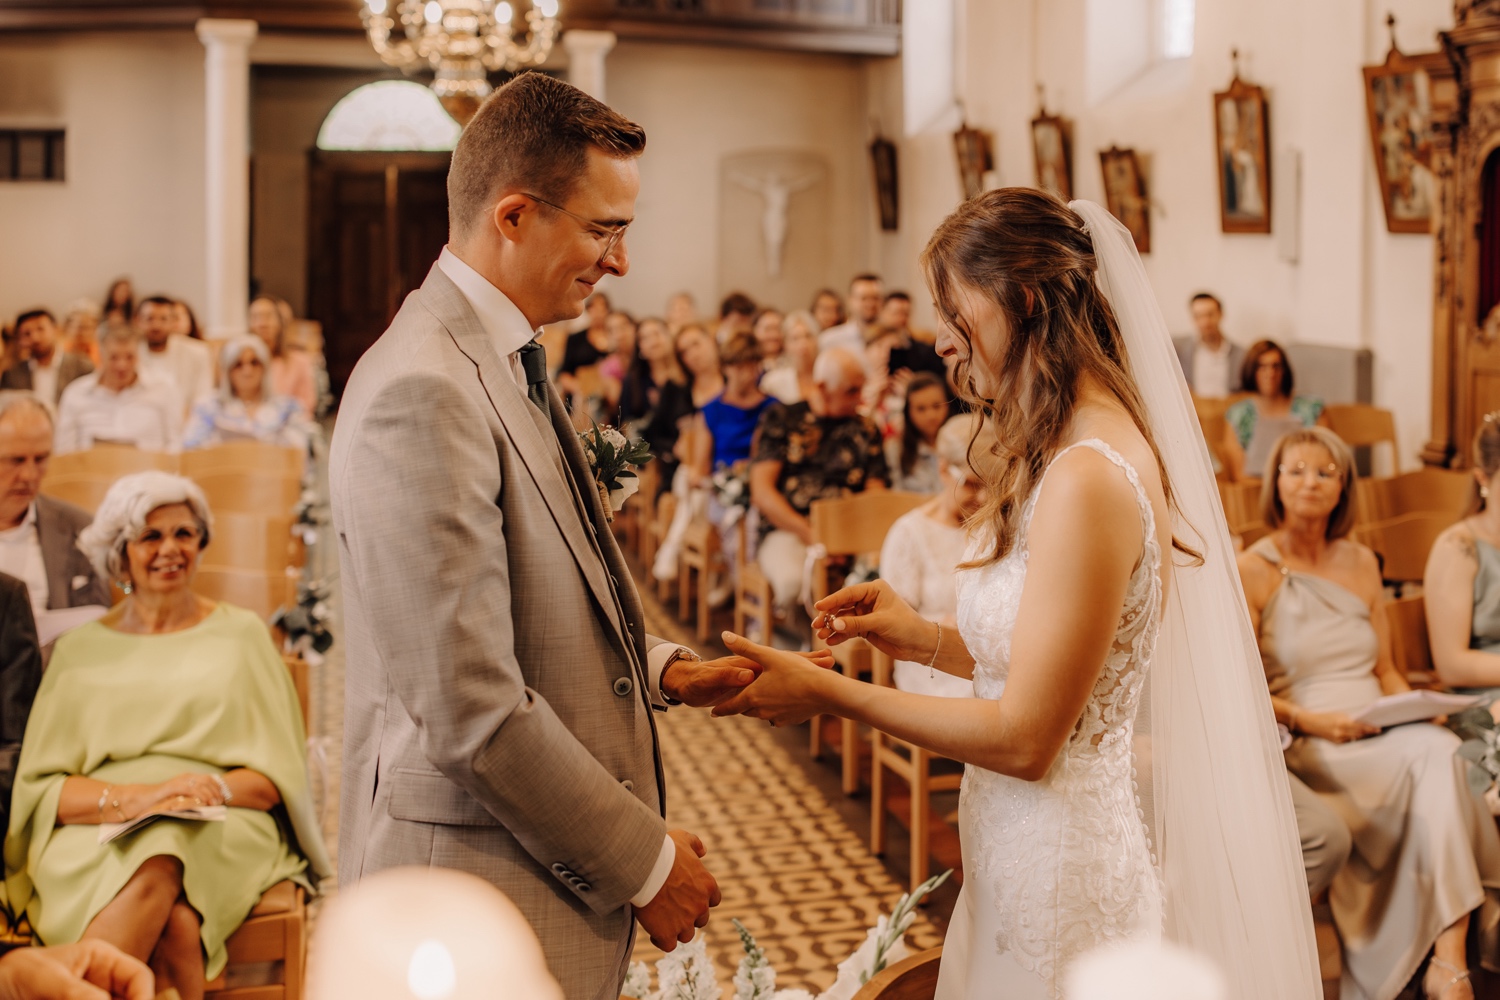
500,686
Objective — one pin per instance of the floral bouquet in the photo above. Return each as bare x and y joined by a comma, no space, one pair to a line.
1481,748
731,485
613,458
688,973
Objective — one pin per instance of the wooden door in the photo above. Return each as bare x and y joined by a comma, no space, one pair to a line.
377,222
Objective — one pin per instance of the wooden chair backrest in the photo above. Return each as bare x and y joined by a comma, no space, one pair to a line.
1403,542
913,978
857,524
253,542
1242,506
245,456
79,490
1409,644
1426,490
254,590
110,462
1361,425
250,492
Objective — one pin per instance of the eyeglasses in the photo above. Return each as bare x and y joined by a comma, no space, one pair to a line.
184,535
1324,473
612,235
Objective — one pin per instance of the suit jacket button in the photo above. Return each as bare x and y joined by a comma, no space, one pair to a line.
584,887
623,686
629,785
560,869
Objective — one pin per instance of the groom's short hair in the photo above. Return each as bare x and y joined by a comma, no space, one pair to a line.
533,133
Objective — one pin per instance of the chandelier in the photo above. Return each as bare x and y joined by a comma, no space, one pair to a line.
461,40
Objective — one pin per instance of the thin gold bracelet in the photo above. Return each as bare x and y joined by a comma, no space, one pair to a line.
932,663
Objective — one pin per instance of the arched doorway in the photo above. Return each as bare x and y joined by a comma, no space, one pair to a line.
377,212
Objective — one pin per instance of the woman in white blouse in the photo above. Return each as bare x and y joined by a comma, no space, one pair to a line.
245,409
924,547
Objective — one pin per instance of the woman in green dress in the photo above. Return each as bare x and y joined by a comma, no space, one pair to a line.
168,702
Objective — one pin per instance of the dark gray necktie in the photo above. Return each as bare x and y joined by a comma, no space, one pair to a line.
534,364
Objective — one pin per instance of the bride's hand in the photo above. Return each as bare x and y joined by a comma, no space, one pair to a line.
874,612
791,688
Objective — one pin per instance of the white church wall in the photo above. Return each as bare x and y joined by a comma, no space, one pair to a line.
133,200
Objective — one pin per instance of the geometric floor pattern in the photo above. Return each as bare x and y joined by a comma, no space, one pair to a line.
791,870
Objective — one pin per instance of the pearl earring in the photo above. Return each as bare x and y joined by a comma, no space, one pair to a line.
1484,492
127,587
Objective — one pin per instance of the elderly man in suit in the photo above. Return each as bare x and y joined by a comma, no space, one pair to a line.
500,685
44,369
39,535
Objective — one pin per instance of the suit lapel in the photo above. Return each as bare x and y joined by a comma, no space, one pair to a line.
54,541
537,453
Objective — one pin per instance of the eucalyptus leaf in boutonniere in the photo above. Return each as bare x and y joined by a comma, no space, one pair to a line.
613,459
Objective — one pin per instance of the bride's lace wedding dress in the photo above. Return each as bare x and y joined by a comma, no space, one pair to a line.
1055,867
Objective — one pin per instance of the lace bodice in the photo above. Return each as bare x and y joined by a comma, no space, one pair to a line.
1066,859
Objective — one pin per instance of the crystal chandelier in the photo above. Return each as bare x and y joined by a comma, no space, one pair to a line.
461,40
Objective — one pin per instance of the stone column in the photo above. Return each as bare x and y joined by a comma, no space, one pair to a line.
226,100
586,52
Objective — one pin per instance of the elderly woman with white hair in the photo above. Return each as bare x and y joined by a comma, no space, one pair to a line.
924,546
246,407
169,702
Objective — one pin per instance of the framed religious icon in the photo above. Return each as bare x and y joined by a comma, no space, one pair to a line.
1398,98
1125,193
1242,153
975,159
887,191
1051,142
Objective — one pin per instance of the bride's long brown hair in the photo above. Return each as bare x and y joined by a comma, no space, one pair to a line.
1029,253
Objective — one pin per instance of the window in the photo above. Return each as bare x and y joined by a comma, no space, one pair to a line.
31,154
1177,28
389,115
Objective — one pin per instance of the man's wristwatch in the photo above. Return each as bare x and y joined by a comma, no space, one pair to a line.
683,653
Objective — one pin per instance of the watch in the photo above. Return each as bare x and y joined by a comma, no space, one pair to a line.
683,653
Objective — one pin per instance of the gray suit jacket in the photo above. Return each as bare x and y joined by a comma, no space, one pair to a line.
71,580
1188,346
496,710
69,367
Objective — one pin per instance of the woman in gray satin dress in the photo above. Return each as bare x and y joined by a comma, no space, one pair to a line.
1426,854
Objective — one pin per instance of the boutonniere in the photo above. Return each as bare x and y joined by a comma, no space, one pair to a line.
613,459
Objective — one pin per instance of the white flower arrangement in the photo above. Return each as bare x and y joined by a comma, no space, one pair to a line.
687,974
613,458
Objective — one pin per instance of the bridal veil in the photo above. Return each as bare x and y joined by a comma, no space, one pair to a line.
1213,785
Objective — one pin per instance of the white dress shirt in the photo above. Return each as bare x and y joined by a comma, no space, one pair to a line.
44,379
1211,371
508,330
186,363
146,414
21,557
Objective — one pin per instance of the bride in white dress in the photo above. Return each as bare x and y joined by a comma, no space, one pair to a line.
1123,779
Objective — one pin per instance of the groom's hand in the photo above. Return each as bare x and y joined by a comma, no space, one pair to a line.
681,906
711,682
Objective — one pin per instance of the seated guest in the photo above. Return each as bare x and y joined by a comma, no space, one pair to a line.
1462,583
185,321
736,315
243,409
924,547
792,381
170,357
20,673
1254,424
866,293
119,302
39,534
698,353
814,450
913,456
117,404
727,422
588,346
827,309
655,397
291,370
1425,852
171,701
1210,361
682,309
81,330
769,336
622,347
44,368
909,354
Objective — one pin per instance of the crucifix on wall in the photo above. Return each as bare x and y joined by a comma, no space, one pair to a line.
776,190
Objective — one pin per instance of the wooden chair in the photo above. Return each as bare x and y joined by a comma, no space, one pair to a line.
110,461
245,456
1409,644
1242,509
81,490
854,525
1364,426
666,509
254,542
913,978
914,765
1403,542
249,492
700,552
254,590
754,604
1211,421
1427,490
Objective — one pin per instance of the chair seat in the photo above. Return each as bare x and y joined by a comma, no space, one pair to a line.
283,897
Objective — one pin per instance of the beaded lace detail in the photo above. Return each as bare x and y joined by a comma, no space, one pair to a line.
1067,858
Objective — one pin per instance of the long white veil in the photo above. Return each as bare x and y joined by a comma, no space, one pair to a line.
1218,803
